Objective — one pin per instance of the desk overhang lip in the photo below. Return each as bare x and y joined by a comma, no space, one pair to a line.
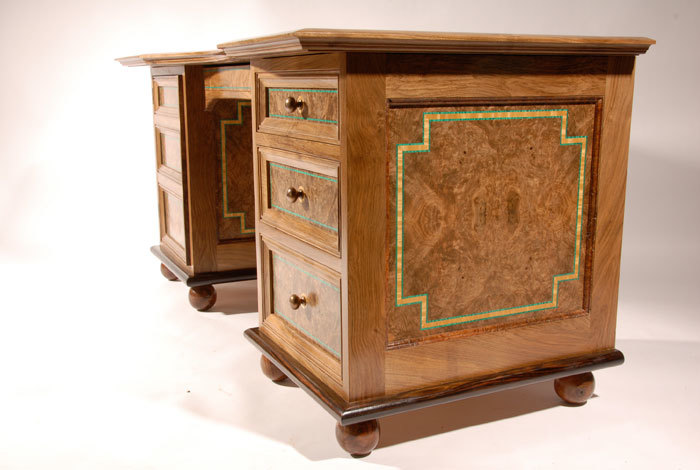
347,40
174,58
313,40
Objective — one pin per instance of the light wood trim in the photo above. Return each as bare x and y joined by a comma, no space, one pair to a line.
363,222
327,40
617,112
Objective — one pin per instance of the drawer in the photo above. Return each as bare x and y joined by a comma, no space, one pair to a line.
306,298
300,195
305,107
226,82
171,167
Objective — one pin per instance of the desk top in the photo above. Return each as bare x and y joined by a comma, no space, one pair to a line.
351,40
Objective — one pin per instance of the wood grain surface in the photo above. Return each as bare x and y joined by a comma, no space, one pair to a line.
319,317
346,40
497,198
235,199
314,215
348,412
316,119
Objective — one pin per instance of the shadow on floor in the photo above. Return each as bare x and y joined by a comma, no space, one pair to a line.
236,297
461,414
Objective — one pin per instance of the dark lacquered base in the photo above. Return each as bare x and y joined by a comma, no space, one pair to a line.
202,293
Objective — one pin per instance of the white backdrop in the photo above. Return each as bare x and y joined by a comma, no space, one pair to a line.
103,364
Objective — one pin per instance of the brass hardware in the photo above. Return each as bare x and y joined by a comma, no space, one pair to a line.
293,194
297,301
291,104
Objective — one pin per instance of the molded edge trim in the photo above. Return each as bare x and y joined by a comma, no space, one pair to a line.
350,413
204,279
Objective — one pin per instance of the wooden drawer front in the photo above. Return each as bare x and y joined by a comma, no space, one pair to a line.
171,168
318,317
314,214
227,82
316,116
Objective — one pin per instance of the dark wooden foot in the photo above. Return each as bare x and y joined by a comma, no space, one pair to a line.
202,297
358,439
271,371
168,274
575,389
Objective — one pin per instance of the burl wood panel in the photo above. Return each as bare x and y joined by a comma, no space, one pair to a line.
488,210
319,319
235,199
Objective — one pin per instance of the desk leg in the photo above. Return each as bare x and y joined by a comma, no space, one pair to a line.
202,297
575,389
168,274
358,439
271,371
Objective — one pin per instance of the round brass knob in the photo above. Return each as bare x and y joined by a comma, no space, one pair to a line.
297,301
293,193
291,104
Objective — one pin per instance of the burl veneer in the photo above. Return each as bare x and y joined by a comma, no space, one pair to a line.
438,215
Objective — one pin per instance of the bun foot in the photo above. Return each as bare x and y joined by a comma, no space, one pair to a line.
202,297
575,389
168,274
358,439
271,371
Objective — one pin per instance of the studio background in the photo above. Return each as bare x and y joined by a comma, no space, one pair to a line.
103,363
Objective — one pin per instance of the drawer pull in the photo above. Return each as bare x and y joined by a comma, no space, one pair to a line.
291,104
293,194
297,301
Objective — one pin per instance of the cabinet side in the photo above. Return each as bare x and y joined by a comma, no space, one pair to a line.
364,224
614,147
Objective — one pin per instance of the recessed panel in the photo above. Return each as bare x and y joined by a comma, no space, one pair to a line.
489,216
235,195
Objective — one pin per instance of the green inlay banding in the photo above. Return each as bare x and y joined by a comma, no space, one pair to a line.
304,217
329,121
401,149
289,168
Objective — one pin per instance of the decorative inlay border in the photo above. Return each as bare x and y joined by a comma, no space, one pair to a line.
223,123
424,146
301,328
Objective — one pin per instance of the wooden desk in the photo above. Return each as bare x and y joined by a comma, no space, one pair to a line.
437,215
